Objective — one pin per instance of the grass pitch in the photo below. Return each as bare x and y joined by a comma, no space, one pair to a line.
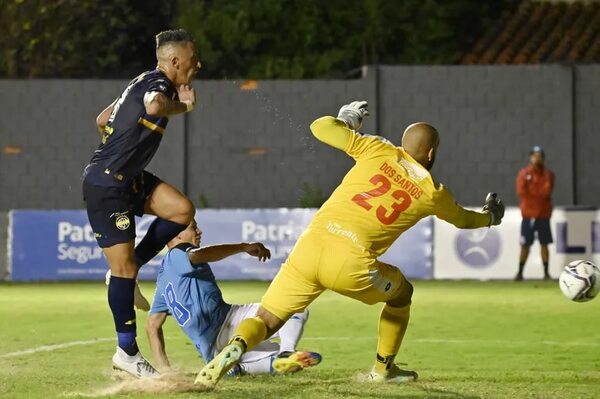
466,340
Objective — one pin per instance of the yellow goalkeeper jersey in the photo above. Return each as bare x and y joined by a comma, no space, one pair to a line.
383,195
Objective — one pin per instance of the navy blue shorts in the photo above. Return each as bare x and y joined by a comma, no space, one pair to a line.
529,228
112,210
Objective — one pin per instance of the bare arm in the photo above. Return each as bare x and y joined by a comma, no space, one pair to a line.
215,253
156,338
158,104
102,118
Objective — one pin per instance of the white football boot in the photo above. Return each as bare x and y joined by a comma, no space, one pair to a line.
135,365
139,300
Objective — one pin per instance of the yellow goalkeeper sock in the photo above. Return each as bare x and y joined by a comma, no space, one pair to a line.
392,326
250,332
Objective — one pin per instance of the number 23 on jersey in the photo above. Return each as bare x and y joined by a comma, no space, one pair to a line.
385,214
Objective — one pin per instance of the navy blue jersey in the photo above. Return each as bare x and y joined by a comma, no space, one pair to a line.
131,137
191,295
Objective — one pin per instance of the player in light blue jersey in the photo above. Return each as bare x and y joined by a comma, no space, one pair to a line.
187,290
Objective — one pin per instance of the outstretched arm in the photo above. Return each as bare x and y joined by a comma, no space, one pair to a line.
332,131
156,339
466,219
338,132
447,209
215,253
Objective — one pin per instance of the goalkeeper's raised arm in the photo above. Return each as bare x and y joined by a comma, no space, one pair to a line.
337,132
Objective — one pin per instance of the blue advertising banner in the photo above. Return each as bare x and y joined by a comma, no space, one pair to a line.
53,245
60,245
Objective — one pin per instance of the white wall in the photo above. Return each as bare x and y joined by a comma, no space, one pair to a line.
487,254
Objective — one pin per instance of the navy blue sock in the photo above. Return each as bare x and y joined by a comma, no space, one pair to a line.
120,300
159,233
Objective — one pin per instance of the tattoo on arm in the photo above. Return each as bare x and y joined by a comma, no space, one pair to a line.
158,104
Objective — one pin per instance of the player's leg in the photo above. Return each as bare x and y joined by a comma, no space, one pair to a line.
526,239
371,281
393,323
121,288
545,260
291,332
112,220
545,238
290,292
257,361
249,333
139,300
276,363
120,293
267,356
174,213
289,360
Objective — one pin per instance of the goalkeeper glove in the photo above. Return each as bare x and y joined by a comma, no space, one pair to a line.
495,208
352,114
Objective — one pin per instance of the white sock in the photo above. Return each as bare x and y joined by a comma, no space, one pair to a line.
262,366
291,332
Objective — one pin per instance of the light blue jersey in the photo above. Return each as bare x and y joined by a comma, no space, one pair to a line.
191,295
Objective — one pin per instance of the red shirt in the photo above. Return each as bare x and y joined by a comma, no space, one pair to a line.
534,188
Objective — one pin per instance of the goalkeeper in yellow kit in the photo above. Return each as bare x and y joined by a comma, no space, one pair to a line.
388,190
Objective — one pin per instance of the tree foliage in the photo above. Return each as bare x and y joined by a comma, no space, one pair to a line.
314,38
262,39
79,38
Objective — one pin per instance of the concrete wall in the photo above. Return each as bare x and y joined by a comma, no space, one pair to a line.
3,246
587,138
52,124
488,118
253,148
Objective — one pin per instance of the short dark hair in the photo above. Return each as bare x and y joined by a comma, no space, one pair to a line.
172,36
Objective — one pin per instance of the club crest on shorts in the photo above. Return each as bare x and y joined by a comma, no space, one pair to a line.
122,220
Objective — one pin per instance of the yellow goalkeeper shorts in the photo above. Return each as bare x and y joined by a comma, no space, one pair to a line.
317,263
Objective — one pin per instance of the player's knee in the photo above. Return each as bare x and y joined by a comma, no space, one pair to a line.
125,269
187,211
183,212
272,322
121,261
404,296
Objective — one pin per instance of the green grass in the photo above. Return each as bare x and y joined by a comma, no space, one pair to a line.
466,340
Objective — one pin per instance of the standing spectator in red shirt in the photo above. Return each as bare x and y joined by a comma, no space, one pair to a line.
534,188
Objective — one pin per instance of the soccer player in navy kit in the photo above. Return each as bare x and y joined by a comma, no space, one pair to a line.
187,290
116,187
